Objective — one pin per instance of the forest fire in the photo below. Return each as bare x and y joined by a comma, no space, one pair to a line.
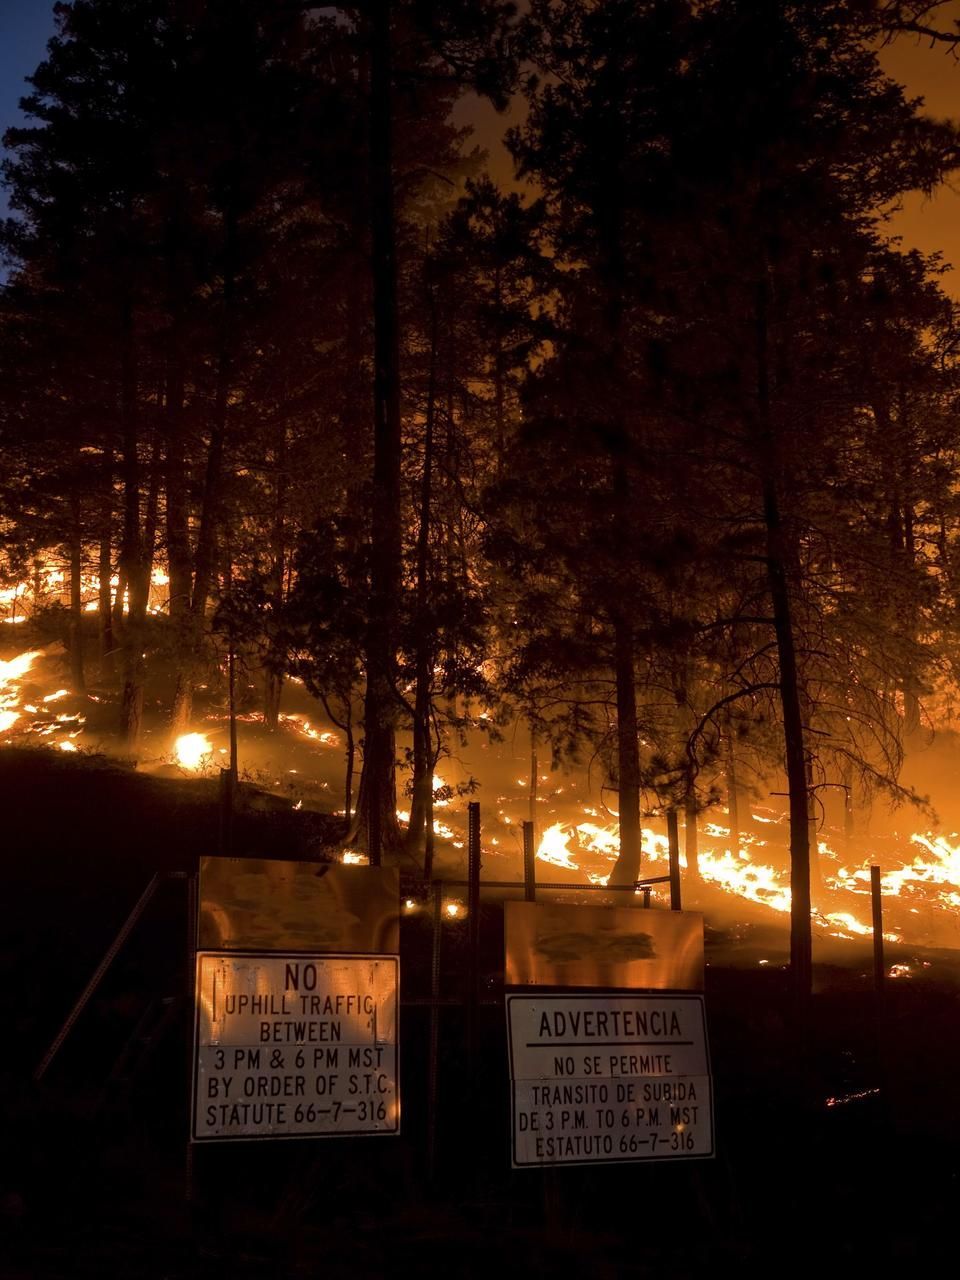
11,673
582,846
41,718
921,891
193,751
557,399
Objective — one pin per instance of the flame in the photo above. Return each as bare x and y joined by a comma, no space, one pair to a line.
12,672
553,846
753,880
192,751
16,668
439,828
50,583
944,868
323,736
352,858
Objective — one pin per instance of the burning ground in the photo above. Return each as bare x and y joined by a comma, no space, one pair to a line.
743,887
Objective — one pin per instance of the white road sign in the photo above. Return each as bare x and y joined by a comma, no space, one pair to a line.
602,1078
295,1045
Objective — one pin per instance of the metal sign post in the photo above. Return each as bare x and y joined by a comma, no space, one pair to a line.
618,1070
297,993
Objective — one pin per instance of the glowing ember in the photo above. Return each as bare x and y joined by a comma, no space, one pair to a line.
454,910
192,751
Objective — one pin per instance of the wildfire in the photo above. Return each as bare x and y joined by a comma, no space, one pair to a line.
553,846
12,672
752,880
301,723
579,841
49,583
192,751
943,868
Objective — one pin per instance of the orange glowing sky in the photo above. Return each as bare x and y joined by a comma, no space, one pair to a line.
931,73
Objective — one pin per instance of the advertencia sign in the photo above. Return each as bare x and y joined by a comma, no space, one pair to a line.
606,1077
295,1045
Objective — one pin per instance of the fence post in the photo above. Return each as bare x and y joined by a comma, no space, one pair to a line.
227,787
529,863
473,920
878,965
434,1033
190,993
673,838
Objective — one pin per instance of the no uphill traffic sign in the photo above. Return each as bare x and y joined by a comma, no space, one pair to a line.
295,1046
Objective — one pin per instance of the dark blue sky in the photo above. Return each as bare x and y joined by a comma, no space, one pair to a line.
25,28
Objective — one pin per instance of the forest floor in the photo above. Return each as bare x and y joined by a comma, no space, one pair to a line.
839,1150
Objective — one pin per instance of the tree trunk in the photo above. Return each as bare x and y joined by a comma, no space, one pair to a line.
273,670
422,783
105,571
498,374
691,843
848,810
733,795
205,555
378,786
351,758
534,780
177,507
801,965
272,695
813,830
75,641
131,552
626,869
